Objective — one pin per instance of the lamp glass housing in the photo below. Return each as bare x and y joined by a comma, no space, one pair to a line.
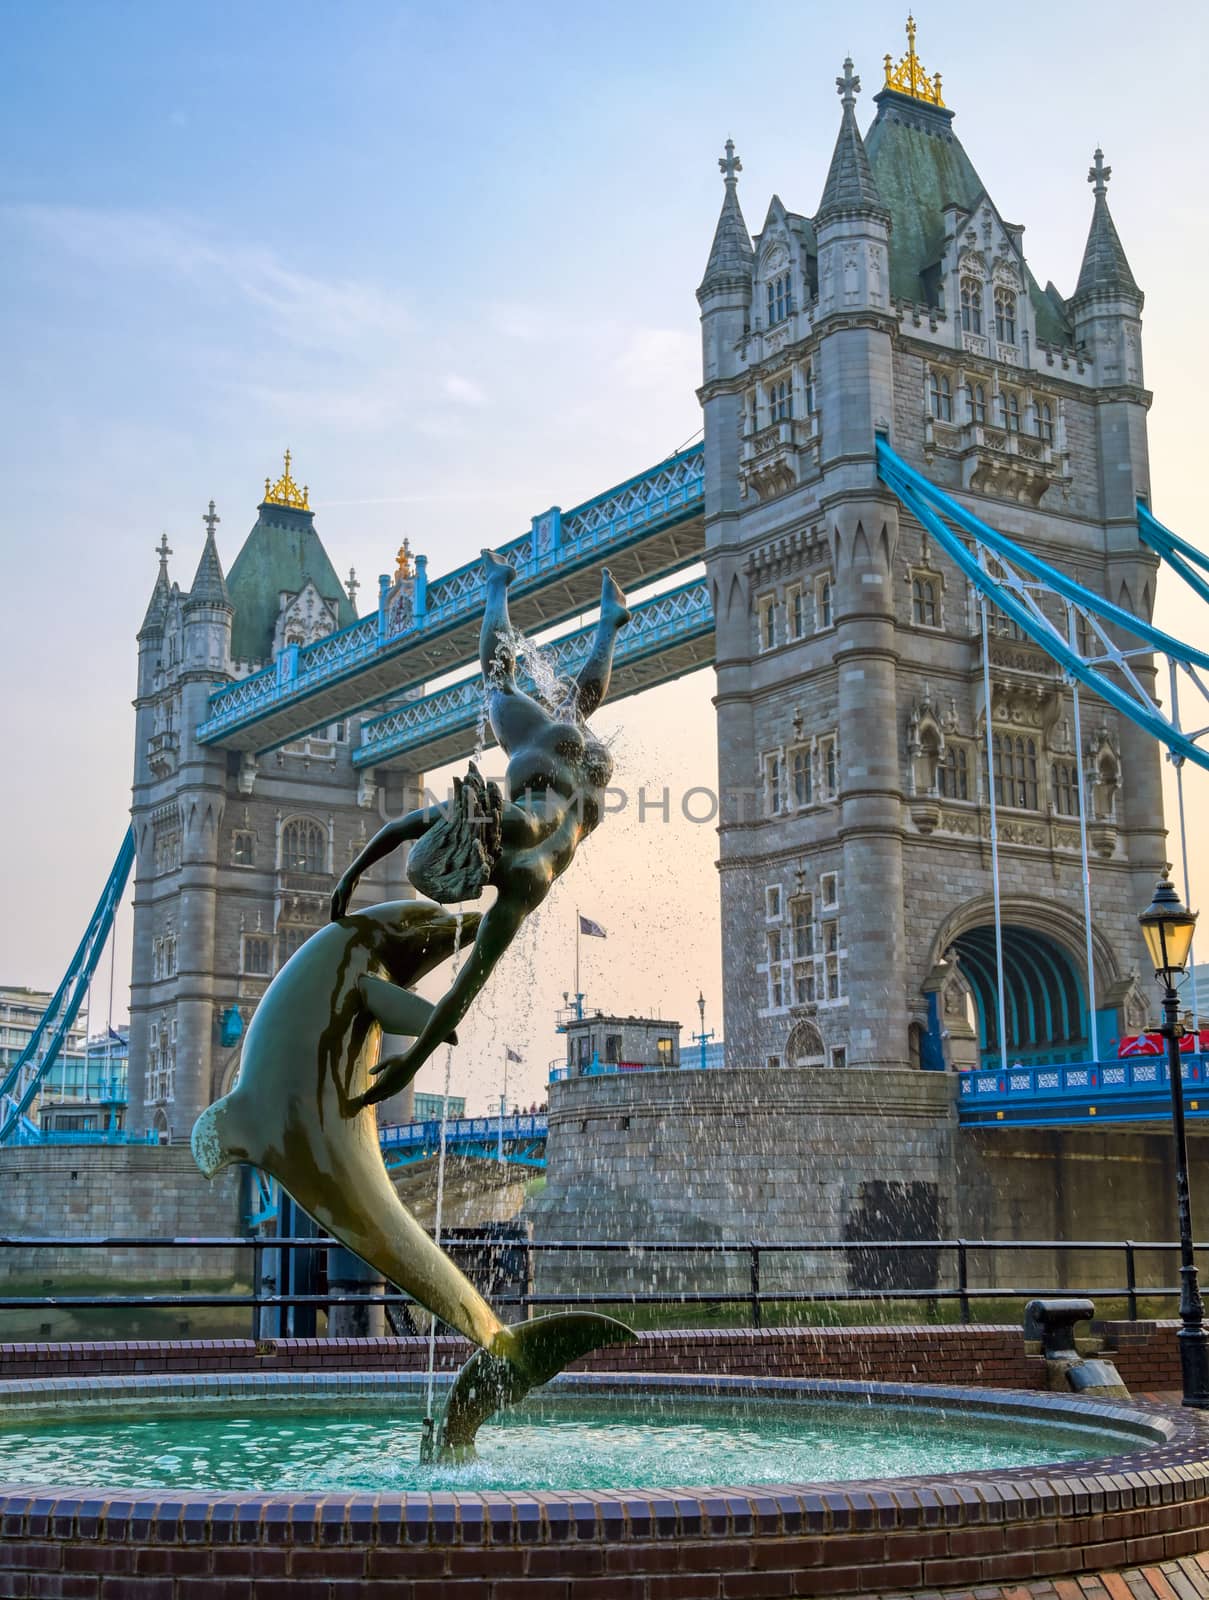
1167,926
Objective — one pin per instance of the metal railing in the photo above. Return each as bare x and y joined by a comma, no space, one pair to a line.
957,1284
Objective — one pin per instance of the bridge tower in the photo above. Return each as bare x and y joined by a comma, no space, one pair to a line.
236,854
852,725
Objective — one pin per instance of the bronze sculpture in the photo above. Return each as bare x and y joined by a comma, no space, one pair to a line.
302,1108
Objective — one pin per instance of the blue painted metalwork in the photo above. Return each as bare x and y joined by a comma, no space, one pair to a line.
656,625
29,1133
1136,1089
1177,552
1043,995
24,1078
558,544
992,567
477,1137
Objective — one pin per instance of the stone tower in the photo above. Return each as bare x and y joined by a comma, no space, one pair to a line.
236,855
852,730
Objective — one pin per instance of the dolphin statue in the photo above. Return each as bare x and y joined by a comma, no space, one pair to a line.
298,1112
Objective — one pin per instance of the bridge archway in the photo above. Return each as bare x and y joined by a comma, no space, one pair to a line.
1045,1003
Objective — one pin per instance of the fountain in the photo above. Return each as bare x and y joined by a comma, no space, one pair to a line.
260,1462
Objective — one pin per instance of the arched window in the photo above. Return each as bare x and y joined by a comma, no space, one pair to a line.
808,379
803,776
1045,422
780,298
971,305
303,846
1005,316
976,399
822,606
923,601
1016,771
953,773
1009,410
780,400
801,915
1064,788
940,392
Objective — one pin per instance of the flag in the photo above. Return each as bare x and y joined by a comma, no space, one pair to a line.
511,1055
592,929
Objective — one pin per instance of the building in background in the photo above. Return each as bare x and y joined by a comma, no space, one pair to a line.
600,1043
237,854
853,727
427,1107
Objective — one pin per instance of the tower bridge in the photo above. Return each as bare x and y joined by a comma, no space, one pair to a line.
883,376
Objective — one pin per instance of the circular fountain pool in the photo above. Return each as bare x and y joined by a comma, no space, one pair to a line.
558,1443
810,1487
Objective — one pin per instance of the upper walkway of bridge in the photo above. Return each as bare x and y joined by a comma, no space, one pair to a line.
645,529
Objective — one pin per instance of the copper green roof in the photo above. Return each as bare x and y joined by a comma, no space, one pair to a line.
279,555
920,169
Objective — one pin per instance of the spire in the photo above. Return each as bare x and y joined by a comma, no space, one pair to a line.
1105,271
731,256
153,622
209,585
850,186
285,492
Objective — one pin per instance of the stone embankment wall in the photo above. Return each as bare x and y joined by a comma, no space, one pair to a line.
842,1155
114,1192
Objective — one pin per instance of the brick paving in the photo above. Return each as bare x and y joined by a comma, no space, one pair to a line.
1185,1579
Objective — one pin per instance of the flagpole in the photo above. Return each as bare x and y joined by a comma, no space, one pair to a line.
579,1010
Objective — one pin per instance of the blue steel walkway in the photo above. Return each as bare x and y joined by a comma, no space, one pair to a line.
523,1140
646,528
1081,1093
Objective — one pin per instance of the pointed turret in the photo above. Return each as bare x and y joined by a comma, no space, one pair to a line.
731,256
1105,272
209,586
850,189
153,622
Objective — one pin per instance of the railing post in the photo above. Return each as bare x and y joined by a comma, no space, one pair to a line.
1131,1280
963,1280
755,1285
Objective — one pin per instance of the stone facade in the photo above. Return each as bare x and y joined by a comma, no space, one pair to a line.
852,726
236,855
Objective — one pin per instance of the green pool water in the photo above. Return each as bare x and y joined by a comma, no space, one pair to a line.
568,1444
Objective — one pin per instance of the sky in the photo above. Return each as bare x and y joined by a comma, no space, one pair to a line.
447,254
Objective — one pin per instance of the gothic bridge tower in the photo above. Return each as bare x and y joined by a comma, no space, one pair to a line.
236,855
852,729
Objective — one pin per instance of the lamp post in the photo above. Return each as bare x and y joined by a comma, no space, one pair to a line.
1167,927
702,1038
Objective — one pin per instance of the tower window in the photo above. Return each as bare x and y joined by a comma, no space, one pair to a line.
1064,788
976,399
780,298
1009,410
242,848
971,305
1005,316
303,847
803,776
257,955
1016,771
774,792
925,610
940,393
953,773
809,383
766,616
795,605
822,602
1045,422
780,400
801,911
829,767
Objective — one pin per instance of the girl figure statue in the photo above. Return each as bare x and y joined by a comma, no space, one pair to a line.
556,781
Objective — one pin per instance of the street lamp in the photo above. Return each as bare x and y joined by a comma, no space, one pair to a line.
1167,927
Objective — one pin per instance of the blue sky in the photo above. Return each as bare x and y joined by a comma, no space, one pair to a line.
448,254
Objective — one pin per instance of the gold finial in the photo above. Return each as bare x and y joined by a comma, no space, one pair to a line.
285,492
403,566
909,77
